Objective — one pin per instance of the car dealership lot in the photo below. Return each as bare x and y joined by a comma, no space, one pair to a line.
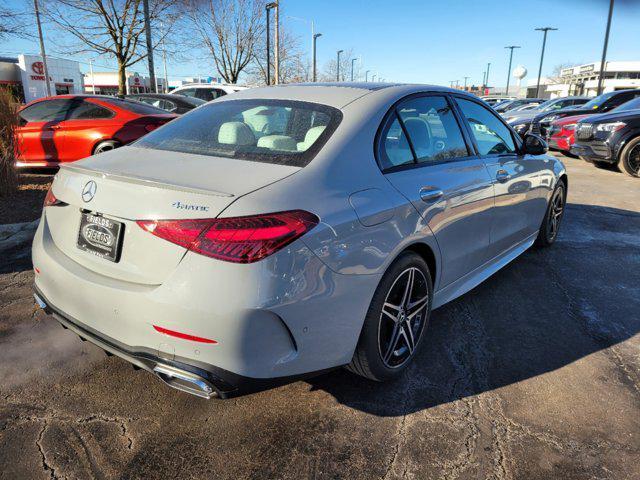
533,374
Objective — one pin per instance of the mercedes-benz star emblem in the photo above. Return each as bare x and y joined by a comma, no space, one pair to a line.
89,191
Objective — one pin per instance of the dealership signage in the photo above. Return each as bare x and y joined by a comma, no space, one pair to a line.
64,76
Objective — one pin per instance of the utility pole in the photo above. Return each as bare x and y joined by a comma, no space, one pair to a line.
366,75
484,74
147,28
93,82
353,60
276,55
315,38
373,77
164,60
544,43
510,47
465,83
268,7
338,66
43,54
604,49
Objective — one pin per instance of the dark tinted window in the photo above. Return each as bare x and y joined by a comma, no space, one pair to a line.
630,105
394,147
269,131
432,128
87,110
161,103
205,94
189,92
46,111
618,100
135,107
492,136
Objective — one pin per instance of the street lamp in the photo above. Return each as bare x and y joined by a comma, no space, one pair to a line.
486,81
373,77
544,43
353,60
315,38
604,49
338,66
366,75
465,83
510,47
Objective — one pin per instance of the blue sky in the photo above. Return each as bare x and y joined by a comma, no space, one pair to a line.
435,42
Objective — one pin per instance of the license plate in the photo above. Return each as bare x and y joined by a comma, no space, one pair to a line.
100,236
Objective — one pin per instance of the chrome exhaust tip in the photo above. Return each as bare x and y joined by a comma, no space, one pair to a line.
185,381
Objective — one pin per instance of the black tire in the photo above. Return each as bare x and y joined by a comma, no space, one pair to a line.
400,338
552,218
105,146
630,158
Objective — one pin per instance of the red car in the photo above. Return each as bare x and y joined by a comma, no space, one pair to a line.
562,133
65,128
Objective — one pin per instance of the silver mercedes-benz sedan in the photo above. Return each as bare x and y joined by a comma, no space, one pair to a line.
284,231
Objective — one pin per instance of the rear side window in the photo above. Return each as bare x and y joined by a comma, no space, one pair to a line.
492,136
189,92
269,131
135,107
46,111
87,110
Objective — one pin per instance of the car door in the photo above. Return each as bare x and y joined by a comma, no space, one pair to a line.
517,179
40,134
84,126
424,154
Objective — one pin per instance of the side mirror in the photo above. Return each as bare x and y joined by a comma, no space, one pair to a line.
534,145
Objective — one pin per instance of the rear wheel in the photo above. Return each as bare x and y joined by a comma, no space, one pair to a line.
555,210
630,158
105,146
395,321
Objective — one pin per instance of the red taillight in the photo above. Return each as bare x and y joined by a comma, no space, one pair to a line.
235,239
50,200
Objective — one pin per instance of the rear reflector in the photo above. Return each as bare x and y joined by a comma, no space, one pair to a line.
183,336
235,239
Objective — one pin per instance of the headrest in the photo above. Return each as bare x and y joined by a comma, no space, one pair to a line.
277,142
236,133
311,136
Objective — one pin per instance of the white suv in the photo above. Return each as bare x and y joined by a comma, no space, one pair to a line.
206,91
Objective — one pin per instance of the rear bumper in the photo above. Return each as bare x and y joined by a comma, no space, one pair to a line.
197,378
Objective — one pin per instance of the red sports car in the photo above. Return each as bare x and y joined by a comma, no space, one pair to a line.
562,133
65,128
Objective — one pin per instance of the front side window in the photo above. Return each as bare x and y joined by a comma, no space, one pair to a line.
269,131
46,111
492,136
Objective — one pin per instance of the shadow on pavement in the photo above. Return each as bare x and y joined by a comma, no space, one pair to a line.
547,309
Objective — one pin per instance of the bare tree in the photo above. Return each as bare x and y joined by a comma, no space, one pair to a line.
294,65
111,27
330,71
230,30
12,23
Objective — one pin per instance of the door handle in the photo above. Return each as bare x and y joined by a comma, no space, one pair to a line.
429,194
502,176
54,127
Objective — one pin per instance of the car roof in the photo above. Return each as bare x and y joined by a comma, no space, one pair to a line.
218,86
335,94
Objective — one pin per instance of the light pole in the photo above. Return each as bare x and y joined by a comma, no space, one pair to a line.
366,75
315,38
373,77
164,60
353,61
338,66
604,49
42,52
486,81
510,47
465,83
544,43
268,7
484,74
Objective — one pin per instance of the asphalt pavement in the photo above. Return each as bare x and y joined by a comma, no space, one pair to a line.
535,374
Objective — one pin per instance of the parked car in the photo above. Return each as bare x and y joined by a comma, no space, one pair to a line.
600,104
289,230
611,139
206,91
562,133
505,106
177,104
521,120
66,128
493,101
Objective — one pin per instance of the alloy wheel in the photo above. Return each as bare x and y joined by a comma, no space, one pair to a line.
633,160
404,314
555,213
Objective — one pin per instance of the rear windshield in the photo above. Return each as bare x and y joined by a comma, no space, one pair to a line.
134,106
271,131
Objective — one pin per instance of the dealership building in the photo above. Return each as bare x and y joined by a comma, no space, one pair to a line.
583,80
25,76
106,83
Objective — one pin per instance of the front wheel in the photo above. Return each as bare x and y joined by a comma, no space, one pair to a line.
630,158
555,210
396,319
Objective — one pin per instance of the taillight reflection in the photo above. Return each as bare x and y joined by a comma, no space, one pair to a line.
235,239
50,200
